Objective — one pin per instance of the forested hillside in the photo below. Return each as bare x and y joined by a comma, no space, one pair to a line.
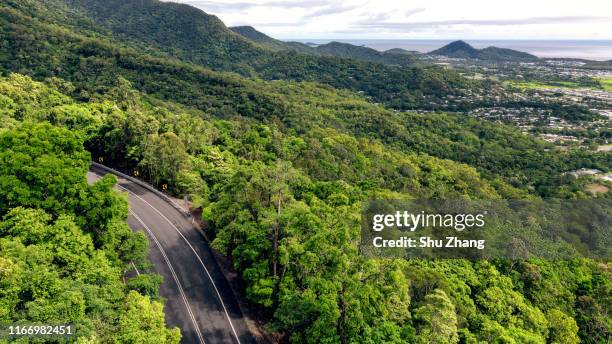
64,245
338,49
189,35
266,41
364,53
279,170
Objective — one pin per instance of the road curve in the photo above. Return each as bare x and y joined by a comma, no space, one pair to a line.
199,299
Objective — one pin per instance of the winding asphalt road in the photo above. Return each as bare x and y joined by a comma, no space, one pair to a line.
199,299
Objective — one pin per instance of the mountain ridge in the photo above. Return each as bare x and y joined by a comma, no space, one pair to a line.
266,41
394,56
333,48
461,49
347,50
181,32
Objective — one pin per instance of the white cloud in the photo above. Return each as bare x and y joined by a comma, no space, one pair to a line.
468,19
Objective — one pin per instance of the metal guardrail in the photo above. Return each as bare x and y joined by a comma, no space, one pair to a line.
144,185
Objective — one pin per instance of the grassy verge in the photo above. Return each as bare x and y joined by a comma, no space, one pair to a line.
539,84
606,83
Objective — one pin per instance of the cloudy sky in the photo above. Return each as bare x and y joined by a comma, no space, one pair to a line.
418,19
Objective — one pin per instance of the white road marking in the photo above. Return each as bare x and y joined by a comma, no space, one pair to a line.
174,275
197,256
135,268
172,271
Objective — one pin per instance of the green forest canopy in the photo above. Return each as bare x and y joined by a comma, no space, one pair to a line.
277,200
64,244
280,169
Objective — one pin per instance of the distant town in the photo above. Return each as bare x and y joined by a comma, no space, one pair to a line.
564,101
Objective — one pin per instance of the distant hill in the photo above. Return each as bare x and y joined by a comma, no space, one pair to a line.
177,32
363,53
266,41
259,37
599,64
336,49
494,53
461,49
401,51
458,49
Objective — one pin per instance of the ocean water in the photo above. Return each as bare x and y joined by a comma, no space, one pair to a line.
600,50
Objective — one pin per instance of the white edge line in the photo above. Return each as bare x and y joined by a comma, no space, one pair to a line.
197,256
194,252
135,268
178,283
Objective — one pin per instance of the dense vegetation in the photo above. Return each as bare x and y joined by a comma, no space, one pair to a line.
190,35
338,49
270,43
93,66
64,245
280,170
275,201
